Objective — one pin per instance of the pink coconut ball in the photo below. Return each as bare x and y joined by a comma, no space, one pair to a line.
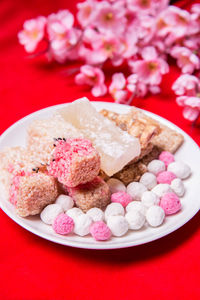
170,203
166,157
121,197
63,224
165,177
100,231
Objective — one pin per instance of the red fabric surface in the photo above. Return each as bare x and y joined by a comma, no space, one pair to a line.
33,268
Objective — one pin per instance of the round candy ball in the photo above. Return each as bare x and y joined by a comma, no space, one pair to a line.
96,214
156,166
166,157
180,169
116,185
135,219
149,180
136,189
149,199
178,187
114,209
100,231
165,177
155,216
170,203
121,197
82,224
74,212
161,189
50,212
118,225
65,201
63,224
136,206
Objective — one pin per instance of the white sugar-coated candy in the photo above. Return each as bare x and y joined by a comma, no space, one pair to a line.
82,224
149,180
135,219
136,206
114,209
116,185
162,189
65,201
118,225
155,216
156,166
180,169
178,187
149,199
136,189
50,212
74,212
96,214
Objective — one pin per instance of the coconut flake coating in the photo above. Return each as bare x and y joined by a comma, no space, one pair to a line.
118,225
155,216
96,214
136,189
170,203
156,166
65,201
136,206
180,169
166,157
165,177
63,224
92,194
100,231
116,185
161,189
135,219
149,180
50,212
114,209
149,199
74,162
82,224
121,197
178,187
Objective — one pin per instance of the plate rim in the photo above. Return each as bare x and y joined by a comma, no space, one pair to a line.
97,245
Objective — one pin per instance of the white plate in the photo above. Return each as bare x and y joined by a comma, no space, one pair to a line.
189,152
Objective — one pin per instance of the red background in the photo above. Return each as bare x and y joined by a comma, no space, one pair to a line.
33,268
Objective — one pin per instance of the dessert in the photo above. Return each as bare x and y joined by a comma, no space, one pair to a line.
135,219
155,216
165,177
100,231
63,224
170,203
121,197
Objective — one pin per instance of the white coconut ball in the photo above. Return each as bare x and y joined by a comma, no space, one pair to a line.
180,169
162,189
74,212
96,214
118,225
82,224
149,180
156,166
155,216
135,219
116,185
65,201
114,209
149,199
136,206
136,189
178,187
50,212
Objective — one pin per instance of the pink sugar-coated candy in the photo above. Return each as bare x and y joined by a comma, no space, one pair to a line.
121,197
63,224
100,231
165,177
170,203
166,157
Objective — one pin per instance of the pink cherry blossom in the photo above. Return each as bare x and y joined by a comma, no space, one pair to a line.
186,59
32,33
151,68
94,77
135,86
117,88
86,12
151,7
191,106
59,24
110,17
186,85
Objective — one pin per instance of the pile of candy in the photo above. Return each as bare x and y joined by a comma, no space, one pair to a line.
155,196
